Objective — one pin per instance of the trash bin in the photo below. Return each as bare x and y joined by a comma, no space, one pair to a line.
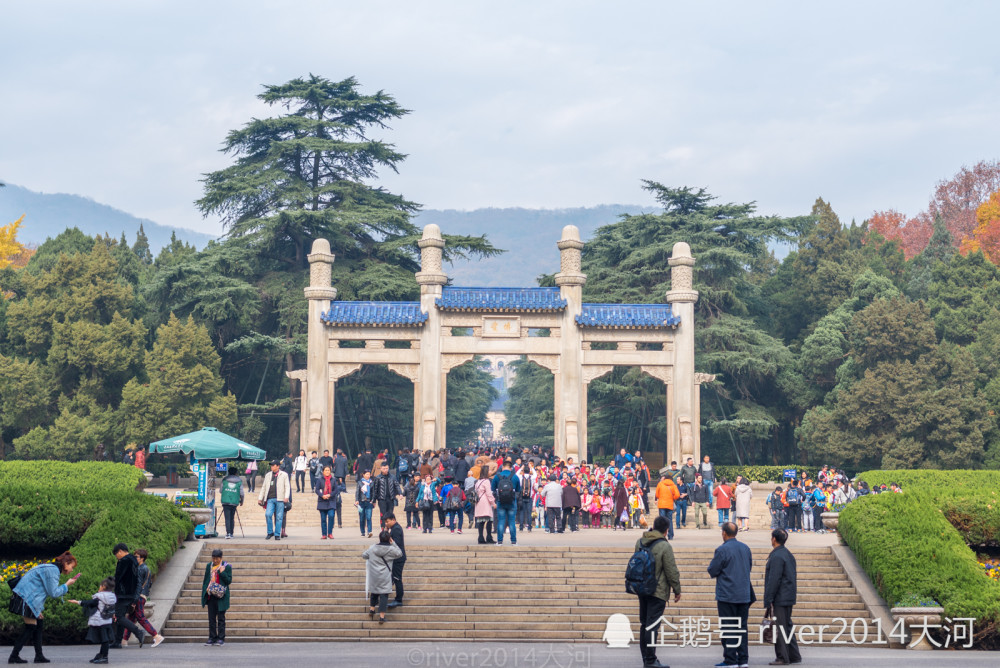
171,476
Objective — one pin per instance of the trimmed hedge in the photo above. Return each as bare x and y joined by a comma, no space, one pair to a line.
86,475
758,473
970,500
907,545
89,511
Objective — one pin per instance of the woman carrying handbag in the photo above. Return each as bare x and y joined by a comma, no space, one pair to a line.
215,595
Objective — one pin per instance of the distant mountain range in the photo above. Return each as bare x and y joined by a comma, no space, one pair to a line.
47,215
528,236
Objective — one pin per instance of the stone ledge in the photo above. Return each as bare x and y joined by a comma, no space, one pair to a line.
876,606
170,581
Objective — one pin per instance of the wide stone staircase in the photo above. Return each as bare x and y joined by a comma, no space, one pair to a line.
286,592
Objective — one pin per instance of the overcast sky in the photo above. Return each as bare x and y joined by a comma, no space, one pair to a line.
533,104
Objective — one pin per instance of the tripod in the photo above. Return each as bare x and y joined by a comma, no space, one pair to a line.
237,511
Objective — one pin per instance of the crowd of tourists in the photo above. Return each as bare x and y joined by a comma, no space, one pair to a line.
799,505
503,488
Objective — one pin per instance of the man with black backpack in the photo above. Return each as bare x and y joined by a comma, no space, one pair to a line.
794,499
651,575
506,489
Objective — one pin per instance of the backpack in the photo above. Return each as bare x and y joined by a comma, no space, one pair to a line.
526,487
505,491
454,499
775,502
794,496
404,464
640,574
448,471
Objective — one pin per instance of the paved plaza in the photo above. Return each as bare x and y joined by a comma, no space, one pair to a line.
403,654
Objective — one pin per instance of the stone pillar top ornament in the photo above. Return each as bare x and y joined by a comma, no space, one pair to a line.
431,257
320,271
570,258
681,274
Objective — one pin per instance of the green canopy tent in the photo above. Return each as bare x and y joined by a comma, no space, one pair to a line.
204,446
208,443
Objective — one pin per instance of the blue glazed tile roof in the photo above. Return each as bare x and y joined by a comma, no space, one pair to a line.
501,299
627,315
394,314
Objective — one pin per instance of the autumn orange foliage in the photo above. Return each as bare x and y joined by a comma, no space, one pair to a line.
912,234
986,236
956,200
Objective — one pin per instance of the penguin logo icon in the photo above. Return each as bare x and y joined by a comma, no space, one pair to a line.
618,631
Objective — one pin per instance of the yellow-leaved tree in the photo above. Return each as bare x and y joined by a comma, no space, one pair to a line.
986,236
9,246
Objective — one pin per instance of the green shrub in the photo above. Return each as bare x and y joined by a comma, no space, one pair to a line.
908,546
758,473
88,513
970,500
105,475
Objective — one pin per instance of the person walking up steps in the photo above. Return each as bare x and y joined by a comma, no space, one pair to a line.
398,539
378,574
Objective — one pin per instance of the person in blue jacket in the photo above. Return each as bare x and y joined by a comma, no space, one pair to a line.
731,567
28,600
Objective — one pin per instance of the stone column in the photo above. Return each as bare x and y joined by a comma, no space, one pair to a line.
684,423
571,397
316,402
431,279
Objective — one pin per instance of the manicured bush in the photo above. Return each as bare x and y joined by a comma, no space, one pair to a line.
88,519
759,473
105,475
908,545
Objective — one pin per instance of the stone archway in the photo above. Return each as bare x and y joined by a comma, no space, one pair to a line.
500,320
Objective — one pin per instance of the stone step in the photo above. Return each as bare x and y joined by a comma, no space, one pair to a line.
290,593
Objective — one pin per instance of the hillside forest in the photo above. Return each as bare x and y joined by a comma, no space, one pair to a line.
872,344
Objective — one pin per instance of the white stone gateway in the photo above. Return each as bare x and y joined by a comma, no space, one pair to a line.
500,320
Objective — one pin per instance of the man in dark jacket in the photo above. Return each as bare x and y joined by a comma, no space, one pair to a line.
571,506
385,489
698,494
779,596
689,471
667,578
462,467
364,463
731,567
126,585
396,533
